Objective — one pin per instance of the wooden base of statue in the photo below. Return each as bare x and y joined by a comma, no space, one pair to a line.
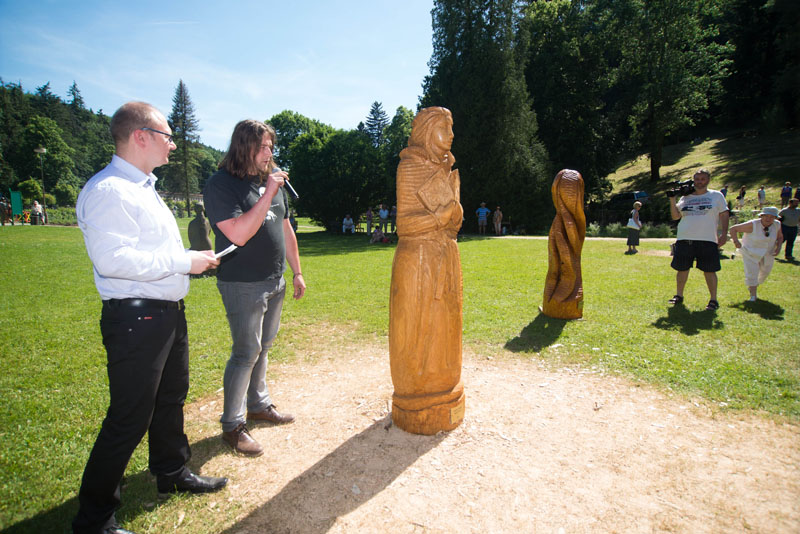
429,414
563,290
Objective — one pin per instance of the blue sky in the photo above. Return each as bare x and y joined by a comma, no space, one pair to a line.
328,60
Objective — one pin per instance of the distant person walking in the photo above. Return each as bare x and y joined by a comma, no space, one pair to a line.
633,233
740,198
759,246
786,194
789,221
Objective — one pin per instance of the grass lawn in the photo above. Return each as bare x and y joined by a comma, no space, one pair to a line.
52,363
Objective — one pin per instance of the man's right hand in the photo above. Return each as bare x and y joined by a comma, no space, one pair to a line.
202,260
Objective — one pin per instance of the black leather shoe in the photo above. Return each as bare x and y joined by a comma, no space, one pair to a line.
190,483
117,530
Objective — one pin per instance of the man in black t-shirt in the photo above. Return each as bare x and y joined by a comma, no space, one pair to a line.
247,207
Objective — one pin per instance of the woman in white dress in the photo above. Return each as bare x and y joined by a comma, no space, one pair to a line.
759,246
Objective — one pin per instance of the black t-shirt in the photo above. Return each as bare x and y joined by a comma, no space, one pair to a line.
263,257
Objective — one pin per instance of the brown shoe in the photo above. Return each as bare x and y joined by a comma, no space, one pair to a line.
271,415
240,440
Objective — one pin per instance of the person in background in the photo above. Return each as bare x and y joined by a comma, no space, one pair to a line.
247,207
141,272
633,233
762,197
497,221
348,224
759,246
383,216
483,217
378,236
724,191
786,194
36,213
368,217
393,217
789,221
740,198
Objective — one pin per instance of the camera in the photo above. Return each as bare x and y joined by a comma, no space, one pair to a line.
681,188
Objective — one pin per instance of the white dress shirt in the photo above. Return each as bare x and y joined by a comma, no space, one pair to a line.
131,236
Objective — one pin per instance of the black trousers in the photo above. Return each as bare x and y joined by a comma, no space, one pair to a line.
148,379
789,235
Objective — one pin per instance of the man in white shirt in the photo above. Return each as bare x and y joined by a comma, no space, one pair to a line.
698,241
141,272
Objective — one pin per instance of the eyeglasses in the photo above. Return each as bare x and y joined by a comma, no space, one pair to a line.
170,137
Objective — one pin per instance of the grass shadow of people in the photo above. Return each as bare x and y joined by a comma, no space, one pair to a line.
343,480
688,322
767,310
542,332
139,495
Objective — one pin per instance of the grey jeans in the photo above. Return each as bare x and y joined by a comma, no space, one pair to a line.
254,316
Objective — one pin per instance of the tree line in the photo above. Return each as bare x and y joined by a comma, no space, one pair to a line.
78,144
534,86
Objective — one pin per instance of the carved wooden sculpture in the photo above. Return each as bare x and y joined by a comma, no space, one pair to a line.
563,289
425,299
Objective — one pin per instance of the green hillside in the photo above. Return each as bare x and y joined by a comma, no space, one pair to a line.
738,158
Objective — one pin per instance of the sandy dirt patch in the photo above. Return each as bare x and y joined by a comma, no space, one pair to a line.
540,451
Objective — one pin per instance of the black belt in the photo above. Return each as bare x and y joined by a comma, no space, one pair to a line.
144,303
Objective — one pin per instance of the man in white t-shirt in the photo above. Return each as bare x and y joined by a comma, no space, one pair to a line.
698,240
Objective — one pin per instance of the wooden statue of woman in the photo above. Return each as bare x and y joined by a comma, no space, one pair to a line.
563,290
425,301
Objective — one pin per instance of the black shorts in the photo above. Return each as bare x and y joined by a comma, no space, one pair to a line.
705,252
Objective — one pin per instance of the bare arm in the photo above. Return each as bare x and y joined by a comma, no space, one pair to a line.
778,242
724,220
293,257
673,209
240,229
742,228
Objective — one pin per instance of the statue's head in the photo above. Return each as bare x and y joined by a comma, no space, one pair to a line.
432,130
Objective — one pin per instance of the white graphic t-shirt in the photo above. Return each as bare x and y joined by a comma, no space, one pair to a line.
699,216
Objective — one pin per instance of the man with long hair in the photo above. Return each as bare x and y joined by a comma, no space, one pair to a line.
141,271
247,207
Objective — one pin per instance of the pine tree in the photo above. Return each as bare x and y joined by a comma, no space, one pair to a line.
477,72
185,126
76,100
377,121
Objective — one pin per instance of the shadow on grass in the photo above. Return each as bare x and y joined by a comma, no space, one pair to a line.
540,333
139,495
764,308
345,479
688,322
748,157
